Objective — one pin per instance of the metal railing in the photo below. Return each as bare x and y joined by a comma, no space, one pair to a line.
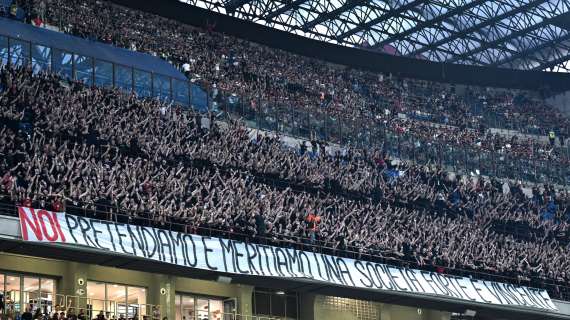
282,115
557,289
288,119
111,309
237,316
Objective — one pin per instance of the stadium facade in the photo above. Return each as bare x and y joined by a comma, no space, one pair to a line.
62,262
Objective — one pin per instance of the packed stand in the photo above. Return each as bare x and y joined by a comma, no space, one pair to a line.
276,84
104,153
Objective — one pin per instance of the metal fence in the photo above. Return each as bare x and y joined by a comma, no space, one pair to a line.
370,134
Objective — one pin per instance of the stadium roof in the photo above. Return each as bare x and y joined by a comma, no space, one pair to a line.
517,34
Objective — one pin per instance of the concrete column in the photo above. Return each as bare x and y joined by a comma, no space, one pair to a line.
385,312
307,306
74,285
161,292
244,297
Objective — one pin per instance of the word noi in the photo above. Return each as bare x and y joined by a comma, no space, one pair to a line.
231,256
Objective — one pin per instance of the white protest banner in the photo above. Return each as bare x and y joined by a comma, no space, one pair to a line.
232,256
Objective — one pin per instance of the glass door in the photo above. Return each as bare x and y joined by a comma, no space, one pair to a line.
216,309
31,294
2,295
203,309
188,308
230,309
12,296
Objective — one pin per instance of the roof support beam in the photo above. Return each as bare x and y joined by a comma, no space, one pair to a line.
554,62
348,5
488,22
285,8
389,14
232,5
530,51
429,23
499,41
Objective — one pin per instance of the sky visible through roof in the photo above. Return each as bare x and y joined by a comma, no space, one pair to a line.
517,34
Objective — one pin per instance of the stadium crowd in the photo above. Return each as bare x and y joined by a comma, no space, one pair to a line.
102,152
437,115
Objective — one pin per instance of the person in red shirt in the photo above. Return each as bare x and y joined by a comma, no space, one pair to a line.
312,221
57,205
27,202
38,22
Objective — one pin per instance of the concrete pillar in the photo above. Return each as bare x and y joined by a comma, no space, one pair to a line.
161,292
74,285
307,306
385,312
244,297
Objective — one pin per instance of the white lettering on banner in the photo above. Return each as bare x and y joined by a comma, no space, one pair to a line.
232,256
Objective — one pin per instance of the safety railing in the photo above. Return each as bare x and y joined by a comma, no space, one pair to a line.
110,309
557,289
237,316
97,72
281,115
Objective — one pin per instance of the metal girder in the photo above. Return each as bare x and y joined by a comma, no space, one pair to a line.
349,4
388,14
561,56
497,42
232,5
429,23
500,33
461,33
285,8
530,51
561,67
529,26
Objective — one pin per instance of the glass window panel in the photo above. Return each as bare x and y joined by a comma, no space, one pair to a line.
143,83
262,304
291,307
199,99
136,299
47,291
181,90
12,296
41,58
188,310
103,73
202,308
84,69
96,295
116,299
123,77
2,302
19,52
216,309
31,292
161,87
3,50
278,305
178,306
62,63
